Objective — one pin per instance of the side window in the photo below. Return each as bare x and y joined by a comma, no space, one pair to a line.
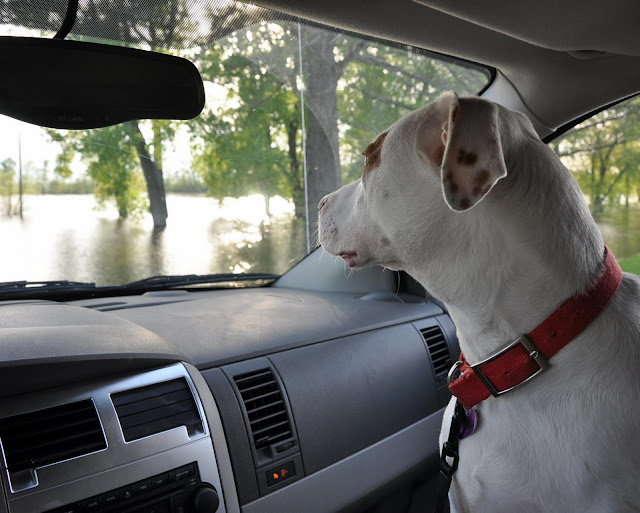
603,154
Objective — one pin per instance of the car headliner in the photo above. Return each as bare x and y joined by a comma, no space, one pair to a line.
564,59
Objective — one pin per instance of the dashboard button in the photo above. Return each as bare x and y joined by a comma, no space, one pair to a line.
180,503
109,498
126,492
159,481
160,507
142,486
181,473
70,508
282,473
91,504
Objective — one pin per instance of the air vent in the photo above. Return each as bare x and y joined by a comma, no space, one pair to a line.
265,407
155,408
42,437
439,352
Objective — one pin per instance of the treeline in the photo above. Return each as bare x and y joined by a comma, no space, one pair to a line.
36,181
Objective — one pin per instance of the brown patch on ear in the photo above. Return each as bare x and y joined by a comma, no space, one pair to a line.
467,158
481,178
465,203
372,154
437,155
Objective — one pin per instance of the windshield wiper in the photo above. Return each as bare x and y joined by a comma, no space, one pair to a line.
168,281
22,285
64,290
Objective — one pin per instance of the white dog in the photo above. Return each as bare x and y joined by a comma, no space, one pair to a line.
464,196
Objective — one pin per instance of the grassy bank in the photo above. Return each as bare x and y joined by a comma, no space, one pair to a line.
631,264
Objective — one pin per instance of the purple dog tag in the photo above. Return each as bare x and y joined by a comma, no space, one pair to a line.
469,424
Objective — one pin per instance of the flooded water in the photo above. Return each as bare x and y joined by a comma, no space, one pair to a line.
65,237
620,227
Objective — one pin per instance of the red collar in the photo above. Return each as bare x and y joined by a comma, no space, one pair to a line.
528,356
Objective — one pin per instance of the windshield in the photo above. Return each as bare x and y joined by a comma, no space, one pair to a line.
290,108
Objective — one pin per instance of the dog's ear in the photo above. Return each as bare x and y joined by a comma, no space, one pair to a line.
470,149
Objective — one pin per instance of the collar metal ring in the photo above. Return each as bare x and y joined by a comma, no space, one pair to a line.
454,368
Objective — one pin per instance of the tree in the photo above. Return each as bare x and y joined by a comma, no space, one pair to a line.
158,26
353,89
603,153
110,156
248,144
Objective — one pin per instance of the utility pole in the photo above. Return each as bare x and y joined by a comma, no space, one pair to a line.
20,171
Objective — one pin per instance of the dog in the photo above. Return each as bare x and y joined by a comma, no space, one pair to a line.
464,196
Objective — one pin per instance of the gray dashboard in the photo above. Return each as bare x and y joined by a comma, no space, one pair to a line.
353,369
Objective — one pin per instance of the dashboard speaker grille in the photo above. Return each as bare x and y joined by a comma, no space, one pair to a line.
156,408
32,440
438,351
265,407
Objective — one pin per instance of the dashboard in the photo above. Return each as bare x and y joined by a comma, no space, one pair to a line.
257,400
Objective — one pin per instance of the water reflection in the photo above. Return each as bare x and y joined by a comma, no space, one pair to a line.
64,237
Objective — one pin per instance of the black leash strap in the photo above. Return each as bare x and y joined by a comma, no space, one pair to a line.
449,452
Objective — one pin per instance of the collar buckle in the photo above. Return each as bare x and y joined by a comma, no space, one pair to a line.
534,353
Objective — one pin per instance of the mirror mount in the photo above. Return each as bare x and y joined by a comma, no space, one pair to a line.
69,20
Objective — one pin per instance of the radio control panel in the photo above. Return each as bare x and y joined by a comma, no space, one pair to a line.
179,490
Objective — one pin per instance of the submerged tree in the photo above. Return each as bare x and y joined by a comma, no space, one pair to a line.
7,182
353,89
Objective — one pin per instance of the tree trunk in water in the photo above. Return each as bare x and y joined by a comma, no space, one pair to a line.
597,204
153,177
267,204
627,191
324,174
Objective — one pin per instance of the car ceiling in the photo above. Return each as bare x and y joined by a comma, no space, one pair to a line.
564,58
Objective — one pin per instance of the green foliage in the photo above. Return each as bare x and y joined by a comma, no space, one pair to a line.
381,84
603,153
242,145
112,164
251,141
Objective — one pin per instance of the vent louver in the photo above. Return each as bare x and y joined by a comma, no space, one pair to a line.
42,437
265,407
156,408
438,351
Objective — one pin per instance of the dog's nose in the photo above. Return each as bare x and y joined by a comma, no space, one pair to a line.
323,202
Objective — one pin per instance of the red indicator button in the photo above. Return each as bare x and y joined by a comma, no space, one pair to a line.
281,473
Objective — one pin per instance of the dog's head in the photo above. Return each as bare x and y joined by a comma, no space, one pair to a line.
431,167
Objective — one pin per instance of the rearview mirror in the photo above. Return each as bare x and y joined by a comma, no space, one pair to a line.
58,83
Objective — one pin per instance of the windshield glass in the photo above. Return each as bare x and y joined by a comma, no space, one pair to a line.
290,108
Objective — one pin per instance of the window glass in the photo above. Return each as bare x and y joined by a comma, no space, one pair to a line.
603,154
290,107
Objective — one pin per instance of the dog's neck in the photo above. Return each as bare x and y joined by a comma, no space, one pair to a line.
526,248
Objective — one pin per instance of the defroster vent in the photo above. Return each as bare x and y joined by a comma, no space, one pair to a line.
155,408
439,352
265,407
35,439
